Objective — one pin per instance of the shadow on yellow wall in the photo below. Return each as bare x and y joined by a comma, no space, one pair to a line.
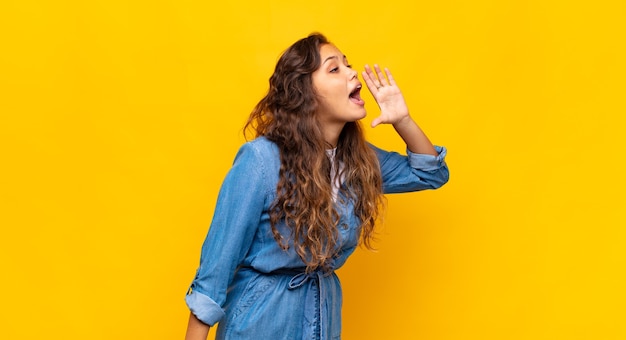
119,121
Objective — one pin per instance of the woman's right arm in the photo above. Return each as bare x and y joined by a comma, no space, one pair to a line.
196,329
238,210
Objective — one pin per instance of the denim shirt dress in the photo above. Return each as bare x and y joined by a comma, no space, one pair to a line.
255,289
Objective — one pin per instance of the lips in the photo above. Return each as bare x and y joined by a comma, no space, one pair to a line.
355,96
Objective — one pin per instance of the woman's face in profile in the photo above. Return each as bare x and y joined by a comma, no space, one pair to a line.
338,88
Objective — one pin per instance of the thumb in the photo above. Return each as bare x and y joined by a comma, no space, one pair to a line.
376,121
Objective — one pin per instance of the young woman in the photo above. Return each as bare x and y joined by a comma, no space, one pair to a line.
300,197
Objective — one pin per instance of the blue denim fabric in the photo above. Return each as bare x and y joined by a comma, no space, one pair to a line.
256,290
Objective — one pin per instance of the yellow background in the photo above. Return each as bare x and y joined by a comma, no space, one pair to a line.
119,120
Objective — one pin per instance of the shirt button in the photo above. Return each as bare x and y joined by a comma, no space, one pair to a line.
344,226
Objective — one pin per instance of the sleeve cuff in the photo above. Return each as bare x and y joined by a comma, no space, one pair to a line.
204,308
427,162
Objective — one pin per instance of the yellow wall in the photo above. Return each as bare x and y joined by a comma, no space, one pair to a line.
120,118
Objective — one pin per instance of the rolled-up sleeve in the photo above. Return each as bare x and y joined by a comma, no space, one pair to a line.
236,218
412,172
428,162
203,307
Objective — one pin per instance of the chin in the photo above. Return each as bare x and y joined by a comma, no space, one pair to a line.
357,119
361,115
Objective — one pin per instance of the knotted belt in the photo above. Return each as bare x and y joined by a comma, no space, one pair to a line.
312,305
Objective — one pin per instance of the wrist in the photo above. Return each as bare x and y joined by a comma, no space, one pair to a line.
403,122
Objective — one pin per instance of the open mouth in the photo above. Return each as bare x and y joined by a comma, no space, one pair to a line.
355,96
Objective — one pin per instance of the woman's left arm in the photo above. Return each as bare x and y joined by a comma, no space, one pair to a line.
424,166
394,111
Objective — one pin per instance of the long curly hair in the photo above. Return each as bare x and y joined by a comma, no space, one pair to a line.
287,116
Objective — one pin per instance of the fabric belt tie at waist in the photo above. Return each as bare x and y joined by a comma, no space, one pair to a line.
315,299
300,280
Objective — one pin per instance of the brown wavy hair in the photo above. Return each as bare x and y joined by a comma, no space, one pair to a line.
287,117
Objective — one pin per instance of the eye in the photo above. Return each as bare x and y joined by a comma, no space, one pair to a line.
349,66
334,69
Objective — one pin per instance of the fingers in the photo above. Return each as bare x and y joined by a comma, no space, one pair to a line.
381,76
392,81
370,79
376,78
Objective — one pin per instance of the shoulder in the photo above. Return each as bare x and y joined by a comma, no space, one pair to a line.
380,153
260,148
260,153
262,145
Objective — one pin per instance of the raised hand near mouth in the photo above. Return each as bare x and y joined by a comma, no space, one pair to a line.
393,108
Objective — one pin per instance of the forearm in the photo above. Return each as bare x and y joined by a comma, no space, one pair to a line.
415,139
196,329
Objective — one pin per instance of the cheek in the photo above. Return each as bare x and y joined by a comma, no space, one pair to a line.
323,103
323,96
331,96
329,93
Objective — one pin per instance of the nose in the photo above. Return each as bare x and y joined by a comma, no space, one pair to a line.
353,73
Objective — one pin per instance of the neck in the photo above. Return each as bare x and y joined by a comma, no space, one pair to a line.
331,134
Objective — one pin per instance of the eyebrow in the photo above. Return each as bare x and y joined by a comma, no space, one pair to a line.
333,57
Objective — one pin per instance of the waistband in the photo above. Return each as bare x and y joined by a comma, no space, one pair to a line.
315,298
